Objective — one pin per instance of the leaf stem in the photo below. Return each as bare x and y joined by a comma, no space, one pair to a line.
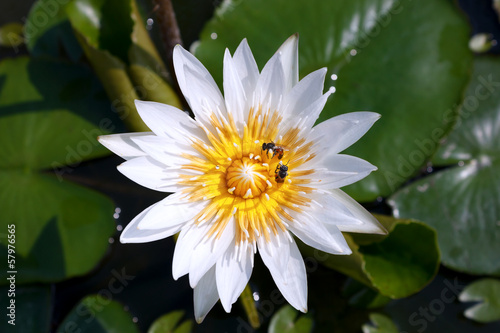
169,30
248,303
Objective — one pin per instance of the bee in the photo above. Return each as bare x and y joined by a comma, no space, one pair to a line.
277,150
281,172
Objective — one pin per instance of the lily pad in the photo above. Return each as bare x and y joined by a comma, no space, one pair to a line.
381,324
98,314
61,229
48,31
393,265
114,39
475,134
112,35
285,321
412,264
169,323
461,202
362,296
50,115
487,292
396,58
106,24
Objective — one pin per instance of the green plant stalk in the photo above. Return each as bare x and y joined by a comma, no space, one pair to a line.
248,303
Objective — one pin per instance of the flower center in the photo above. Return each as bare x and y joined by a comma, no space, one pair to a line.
247,178
244,182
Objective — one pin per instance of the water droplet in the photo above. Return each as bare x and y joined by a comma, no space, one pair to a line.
213,35
149,23
118,210
256,296
332,90
119,227
111,240
353,52
334,77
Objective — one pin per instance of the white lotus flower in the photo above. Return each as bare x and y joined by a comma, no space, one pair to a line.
233,199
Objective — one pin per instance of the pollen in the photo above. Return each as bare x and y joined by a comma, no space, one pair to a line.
238,179
248,178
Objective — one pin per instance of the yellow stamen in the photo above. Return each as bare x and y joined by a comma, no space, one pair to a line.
239,179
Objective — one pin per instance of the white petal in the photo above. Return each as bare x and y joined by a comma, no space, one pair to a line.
171,212
208,251
289,52
150,173
276,252
131,234
368,223
336,170
337,133
270,88
205,295
198,86
305,120
208,101
232,275
327,209
122,144
166,151
306,92
292,280
168,121
234,92
188,238
248,72
315,234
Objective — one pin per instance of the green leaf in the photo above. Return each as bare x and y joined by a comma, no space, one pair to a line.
146,69
185,327
112,35
61,229
123,56
285,321
96,314
406,68
106,24
362,296
381,324
412,264
487,292
461,202
474,135
394,265
51,113
11,34
32,311
169,323
48,31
